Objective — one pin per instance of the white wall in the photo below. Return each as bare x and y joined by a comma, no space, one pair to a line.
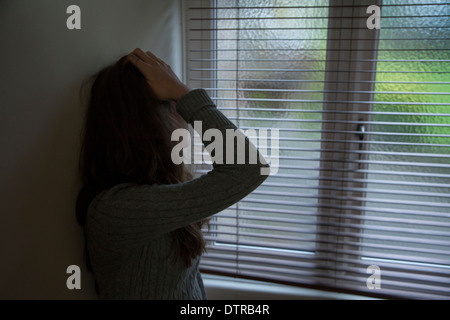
42,65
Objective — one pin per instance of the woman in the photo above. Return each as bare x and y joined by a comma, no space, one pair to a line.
142,213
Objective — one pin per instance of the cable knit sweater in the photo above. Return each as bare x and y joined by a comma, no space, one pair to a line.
128,226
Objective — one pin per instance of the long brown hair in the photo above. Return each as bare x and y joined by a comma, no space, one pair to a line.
127,138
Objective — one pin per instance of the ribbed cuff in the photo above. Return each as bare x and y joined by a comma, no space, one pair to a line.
192,102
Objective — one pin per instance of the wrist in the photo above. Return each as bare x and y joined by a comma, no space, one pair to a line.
181,92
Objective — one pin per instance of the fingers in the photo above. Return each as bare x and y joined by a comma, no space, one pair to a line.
142,55
152,56
140,60
148,57
156,59
134,59
138,63
137,57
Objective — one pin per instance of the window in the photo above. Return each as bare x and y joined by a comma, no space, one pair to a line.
364,140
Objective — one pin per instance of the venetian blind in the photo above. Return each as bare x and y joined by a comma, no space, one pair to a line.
360,200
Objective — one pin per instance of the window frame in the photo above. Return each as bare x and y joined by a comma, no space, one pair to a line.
354,47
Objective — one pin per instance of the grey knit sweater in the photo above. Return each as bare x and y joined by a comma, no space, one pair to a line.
128,226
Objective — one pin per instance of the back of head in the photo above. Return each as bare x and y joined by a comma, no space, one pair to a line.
126,136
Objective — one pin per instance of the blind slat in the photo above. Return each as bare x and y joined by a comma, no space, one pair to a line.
274,80
345,207
405,103
320,268
308,70
297,219
313,6
313,18
322,91
255,235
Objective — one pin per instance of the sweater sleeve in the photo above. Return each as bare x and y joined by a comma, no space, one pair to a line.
130,215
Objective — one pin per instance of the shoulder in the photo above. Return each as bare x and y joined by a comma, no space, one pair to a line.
114,199
113,194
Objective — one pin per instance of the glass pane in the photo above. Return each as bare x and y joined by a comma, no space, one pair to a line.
409,172
270,71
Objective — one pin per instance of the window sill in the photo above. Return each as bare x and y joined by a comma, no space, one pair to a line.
228,288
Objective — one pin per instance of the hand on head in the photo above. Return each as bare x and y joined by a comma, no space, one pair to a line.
159,75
